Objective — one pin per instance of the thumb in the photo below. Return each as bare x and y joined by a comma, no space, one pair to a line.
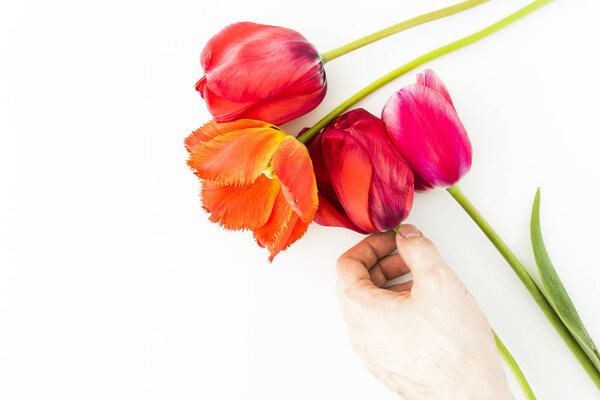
420,255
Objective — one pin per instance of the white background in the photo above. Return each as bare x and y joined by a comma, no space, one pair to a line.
113,284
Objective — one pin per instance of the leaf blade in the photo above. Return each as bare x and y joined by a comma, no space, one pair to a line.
555,291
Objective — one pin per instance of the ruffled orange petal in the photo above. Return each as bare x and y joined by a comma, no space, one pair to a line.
295,229
212,129
294,169
238,157
268,234
283,228
240,207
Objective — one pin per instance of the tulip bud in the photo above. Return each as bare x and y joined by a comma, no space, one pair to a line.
424,126
260,72
364,183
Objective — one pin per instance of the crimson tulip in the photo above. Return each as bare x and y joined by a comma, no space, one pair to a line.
255,177
260,72
364,183
424,125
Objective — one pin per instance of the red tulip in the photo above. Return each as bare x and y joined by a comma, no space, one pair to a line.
364,183
424,126
260,72
255,177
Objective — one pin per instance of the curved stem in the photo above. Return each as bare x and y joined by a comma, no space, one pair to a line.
514,367
458,44
529,283
402,26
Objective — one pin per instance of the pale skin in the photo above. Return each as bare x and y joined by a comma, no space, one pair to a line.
425,339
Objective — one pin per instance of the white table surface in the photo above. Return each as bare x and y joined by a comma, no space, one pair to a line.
113,284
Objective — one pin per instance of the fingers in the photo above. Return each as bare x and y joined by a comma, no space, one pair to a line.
419,254
374,254
356,262
367,267
388,268
353,266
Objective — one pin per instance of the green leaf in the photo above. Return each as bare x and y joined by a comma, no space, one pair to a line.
555,291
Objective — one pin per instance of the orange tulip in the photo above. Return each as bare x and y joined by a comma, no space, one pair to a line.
255,177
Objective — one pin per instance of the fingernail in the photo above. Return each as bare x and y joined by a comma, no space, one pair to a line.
409,231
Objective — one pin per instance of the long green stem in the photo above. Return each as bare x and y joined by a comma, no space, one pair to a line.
514,367
458,44
529,283
402,26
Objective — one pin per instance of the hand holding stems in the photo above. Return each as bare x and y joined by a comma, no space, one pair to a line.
426,338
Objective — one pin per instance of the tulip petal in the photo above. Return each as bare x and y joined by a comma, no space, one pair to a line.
295,229
240,207
328,215
430,79
294,169
271,231
224,110
247,61
425,128
200,85
282,229
278,109
364,127
324,186
212,129
330,211
392,191
238,157
350,172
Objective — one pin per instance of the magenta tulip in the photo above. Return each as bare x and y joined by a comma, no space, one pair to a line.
424,126
364,183
260,72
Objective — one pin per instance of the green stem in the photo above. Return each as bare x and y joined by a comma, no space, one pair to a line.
514,367
529,283
458,44
402,26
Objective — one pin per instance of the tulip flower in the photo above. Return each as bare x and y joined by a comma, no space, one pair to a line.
255,177
364,183
261,72
424,126
271,73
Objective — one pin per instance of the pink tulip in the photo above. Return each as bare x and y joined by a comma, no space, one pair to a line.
260,72
424,126
364,183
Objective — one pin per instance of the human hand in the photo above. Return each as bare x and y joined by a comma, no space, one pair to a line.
425,339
